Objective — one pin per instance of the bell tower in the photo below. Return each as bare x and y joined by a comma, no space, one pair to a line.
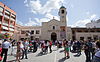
63,22
62,14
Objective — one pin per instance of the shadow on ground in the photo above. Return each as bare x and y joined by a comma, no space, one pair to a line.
77,55
62,60
61,51
40,54
12,61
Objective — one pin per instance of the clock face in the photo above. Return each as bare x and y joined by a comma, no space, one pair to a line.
62,11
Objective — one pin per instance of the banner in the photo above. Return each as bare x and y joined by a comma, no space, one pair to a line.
63,32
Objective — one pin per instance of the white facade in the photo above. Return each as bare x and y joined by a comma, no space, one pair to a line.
87,35
31,32
93,24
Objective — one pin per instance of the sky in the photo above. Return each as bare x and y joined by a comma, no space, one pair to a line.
34,12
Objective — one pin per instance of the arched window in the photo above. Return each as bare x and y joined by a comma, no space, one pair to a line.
53,27
62,11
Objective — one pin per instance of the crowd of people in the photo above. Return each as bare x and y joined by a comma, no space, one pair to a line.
90,47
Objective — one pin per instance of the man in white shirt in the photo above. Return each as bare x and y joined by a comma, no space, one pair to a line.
5,46
97,54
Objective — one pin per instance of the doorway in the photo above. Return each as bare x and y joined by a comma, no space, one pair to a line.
53,36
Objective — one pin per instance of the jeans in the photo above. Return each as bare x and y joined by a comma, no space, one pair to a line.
4,51
24,52
88,56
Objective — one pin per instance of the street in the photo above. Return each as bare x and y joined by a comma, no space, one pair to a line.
55,56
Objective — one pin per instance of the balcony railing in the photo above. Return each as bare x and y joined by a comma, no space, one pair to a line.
11,29
11,26
6,16
10,33
12,19
5,24
0,21
1,14
3,27
3,32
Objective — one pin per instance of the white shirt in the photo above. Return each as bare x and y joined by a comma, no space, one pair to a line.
0,41
97,53
6,45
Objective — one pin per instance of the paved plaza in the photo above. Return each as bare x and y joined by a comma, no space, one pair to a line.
55,56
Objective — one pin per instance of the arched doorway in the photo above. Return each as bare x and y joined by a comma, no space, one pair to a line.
53,36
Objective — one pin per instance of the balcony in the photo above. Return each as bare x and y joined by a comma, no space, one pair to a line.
0,22
12,19
3,27
6,16
5,24
3,32
1,14
11,29
11,33
11,26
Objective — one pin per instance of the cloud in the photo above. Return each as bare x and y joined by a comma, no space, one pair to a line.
72,6
30,23
39,21
37,7
93,16
82,23
50,16
19,22
25,1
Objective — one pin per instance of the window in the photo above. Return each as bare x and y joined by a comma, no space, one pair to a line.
32,32
89,38
53,27
22,32
37,31
81,38
62,11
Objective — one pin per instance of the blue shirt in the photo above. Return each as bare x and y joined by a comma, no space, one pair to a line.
6,45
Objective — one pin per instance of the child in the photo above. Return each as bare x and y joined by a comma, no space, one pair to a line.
18,52
66,48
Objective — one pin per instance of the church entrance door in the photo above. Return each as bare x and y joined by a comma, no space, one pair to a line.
53,36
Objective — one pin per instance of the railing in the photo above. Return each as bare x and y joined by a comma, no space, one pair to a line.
5,24
5,27
0,22
11,29
12,19
1,13
3,32
11,26
6,16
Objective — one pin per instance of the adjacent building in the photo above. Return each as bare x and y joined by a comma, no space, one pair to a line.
7,19
31,32
93,24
